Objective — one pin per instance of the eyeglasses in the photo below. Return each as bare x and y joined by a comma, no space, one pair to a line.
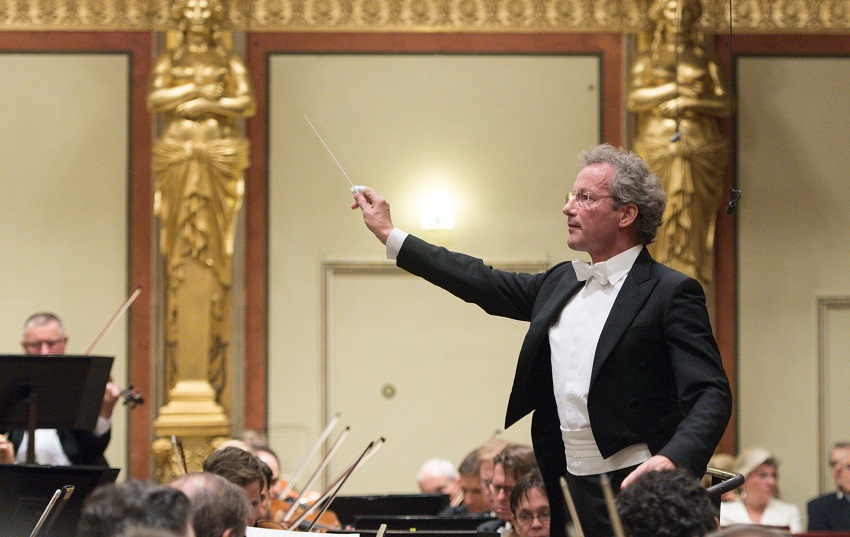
524,519
584,198
51,344
507,489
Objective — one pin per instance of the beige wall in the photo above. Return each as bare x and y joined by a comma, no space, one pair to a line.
499,132
793,250
63,191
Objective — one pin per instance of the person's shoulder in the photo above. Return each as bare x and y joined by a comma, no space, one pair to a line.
823,500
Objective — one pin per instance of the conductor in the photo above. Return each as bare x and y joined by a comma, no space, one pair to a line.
44,334
619,364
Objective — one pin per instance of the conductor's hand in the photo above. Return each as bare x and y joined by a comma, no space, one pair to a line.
654,463
7,450
110,397
376,213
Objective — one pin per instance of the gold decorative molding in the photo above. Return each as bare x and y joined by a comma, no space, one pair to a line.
750,16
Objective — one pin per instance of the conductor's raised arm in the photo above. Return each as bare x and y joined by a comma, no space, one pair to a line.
376,213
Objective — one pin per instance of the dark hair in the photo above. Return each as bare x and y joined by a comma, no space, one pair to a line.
469,465
633,182
236,465
528,482
517,459
217,504
114,509
666,503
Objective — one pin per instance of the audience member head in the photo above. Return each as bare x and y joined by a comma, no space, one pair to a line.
113,510
509,466
470,485
438,476
760,470
490,449
243,470
219,508
44,334
666,503
530,506
842,483
837,457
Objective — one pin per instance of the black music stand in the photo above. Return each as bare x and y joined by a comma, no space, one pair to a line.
26,489
347,507
51,392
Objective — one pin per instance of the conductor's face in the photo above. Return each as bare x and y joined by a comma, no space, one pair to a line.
592,219
44,339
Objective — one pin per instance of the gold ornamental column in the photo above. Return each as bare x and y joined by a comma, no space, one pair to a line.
201,88
677,87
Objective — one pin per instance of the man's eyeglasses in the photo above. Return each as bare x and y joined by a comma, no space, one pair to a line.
507,489
524,519
51,344
584,198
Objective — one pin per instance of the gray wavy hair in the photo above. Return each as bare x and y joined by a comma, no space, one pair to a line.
633,182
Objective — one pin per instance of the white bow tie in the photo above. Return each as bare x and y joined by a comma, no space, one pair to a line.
585,270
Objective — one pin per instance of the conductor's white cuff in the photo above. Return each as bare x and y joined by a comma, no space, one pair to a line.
394,242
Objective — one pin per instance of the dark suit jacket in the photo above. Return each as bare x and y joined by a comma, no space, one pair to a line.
829,513
81,447
657,377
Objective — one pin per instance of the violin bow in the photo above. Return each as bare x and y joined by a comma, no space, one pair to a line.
325,460
571,507
127,303
179,455
616,523
303,466
336,485
131,398
370,450
51,512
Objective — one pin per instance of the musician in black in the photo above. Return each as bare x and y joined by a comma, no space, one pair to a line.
44,334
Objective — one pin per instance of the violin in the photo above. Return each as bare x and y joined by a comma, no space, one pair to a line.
326,520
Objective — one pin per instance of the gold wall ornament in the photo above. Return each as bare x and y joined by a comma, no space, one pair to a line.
750,16
201,88
678,89
196,449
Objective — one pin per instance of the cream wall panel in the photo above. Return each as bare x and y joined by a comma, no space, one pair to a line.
501,133
793,248
63,186
834,340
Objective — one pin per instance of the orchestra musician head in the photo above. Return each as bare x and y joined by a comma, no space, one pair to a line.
219,508
509,466
530,506
243,470
112,510
486,452
438,476
470,484
44,334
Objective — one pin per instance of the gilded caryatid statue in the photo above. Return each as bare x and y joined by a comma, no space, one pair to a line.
678,89
201,89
